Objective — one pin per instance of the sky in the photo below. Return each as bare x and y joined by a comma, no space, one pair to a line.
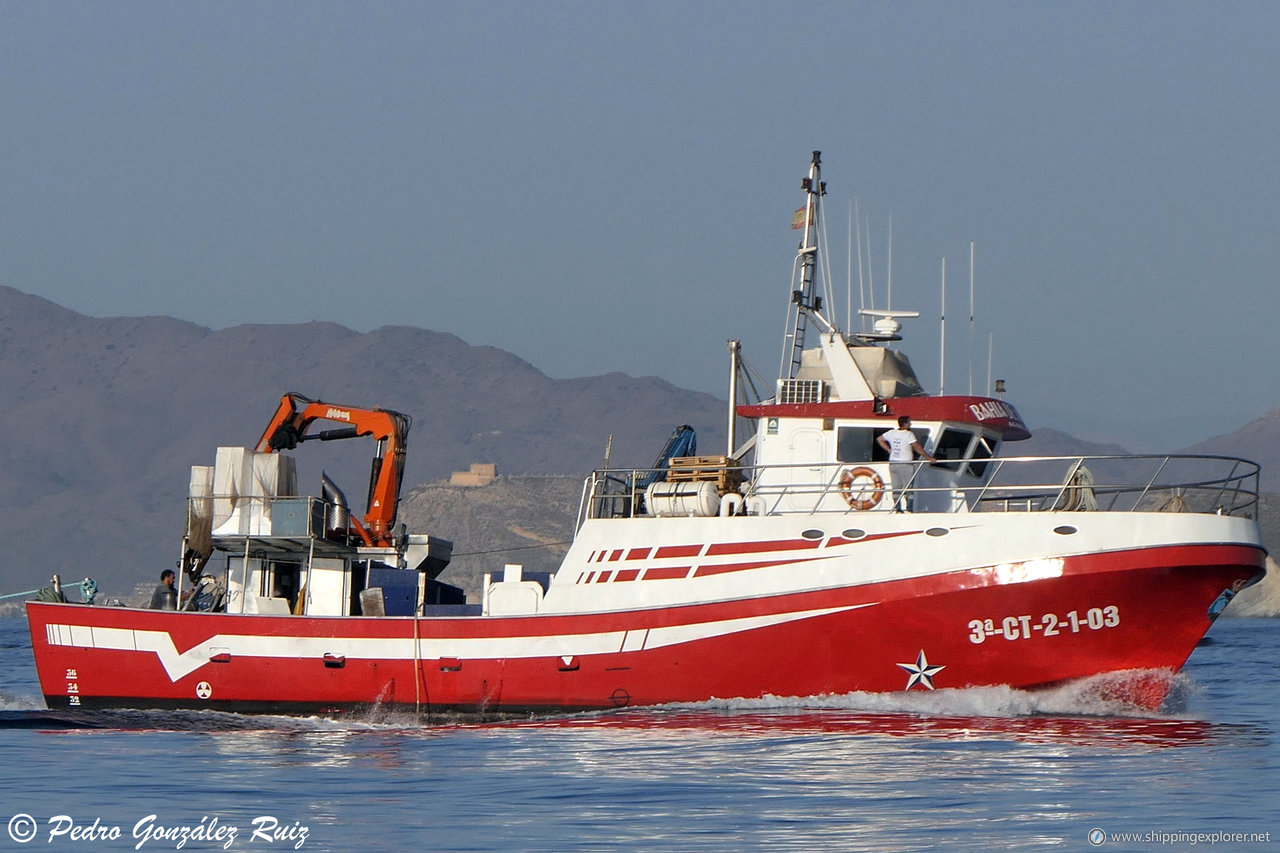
608,186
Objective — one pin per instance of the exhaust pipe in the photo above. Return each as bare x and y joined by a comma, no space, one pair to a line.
337,516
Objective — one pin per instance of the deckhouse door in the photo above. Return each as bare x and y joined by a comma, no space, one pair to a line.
808,455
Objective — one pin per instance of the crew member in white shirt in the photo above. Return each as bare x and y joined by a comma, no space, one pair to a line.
902,445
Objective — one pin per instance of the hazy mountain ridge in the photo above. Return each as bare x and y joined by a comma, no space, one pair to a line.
514,519
1046,441
104,418
1258,440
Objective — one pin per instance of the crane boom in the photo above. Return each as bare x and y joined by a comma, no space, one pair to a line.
291,425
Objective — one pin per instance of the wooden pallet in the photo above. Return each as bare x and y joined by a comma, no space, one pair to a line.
720,470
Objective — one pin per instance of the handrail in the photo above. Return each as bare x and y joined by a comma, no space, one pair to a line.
982,494
1218,484
1154,477
1233,470
831,481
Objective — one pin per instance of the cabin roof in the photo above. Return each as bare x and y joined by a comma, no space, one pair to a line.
987,412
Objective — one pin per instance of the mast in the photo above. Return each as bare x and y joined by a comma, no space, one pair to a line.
735,348
942,345
803,299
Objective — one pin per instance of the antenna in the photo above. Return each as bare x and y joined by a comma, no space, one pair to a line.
871,281
890,270
971,322
848,267
828,281
862,293
991,337
942,347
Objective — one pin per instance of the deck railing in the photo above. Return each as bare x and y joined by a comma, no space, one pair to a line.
217,520
1147,483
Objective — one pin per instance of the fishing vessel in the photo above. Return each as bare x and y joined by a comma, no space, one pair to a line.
801,562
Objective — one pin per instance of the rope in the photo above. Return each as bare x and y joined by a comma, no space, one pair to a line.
518,548
417,672
88,589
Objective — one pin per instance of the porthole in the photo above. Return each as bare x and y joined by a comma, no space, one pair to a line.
1066,529
813,533
937,531
853,533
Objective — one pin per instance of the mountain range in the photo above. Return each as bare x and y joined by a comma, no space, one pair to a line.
103,418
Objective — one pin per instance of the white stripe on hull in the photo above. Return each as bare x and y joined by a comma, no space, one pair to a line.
180,664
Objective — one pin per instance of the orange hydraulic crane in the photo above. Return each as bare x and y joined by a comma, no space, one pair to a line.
294,418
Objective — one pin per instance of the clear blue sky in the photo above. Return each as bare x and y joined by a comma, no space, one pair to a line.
606,186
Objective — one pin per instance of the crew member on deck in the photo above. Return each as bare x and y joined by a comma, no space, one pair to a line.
165,597
902,446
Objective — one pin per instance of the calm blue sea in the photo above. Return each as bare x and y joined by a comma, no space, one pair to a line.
970,770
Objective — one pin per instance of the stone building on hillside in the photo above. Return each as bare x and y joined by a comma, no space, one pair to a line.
481,474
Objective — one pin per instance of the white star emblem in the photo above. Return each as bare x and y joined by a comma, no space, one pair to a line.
920,672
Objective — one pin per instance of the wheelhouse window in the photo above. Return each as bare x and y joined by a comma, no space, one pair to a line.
858,444
951,447
983,449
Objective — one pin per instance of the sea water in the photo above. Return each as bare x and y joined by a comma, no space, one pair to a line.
948,769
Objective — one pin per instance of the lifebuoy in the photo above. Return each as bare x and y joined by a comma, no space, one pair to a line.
855,491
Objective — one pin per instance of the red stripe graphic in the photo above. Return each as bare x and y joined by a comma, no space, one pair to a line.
703,571
678,551
666,574
760,547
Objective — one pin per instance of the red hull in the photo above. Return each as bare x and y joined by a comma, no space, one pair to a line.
1134,610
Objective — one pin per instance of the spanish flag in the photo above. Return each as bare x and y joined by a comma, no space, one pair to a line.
797,221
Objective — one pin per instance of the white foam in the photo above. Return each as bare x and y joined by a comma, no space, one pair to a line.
20,702
1097,696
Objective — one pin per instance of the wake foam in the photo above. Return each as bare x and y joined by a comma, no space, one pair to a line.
20,702
1117,694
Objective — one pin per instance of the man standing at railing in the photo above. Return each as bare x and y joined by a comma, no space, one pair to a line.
902,446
